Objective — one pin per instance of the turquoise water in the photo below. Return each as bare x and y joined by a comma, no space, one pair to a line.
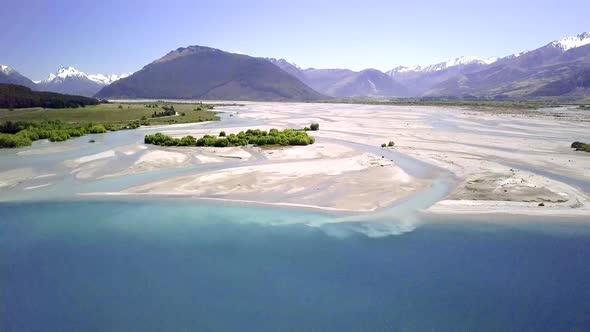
186,266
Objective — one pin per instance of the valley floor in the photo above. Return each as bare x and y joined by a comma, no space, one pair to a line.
485,160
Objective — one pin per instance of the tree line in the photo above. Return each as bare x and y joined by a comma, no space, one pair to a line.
17,96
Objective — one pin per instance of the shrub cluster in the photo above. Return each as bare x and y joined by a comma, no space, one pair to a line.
579,146
18,134
167,111
250,136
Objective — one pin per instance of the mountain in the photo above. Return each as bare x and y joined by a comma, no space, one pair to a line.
456,62
420,79
69,80
558,69
289,67
11,76
198,72
344,83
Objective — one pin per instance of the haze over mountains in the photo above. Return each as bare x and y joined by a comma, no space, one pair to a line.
559,69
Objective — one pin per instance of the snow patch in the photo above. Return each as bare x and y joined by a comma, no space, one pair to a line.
107,79
460,61
567,43
67,72
6,70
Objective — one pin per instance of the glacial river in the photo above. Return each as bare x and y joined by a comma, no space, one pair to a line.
69,263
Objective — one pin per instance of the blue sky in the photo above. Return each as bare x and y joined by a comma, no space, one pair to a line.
96,36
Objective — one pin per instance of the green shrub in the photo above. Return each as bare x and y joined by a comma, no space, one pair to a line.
579,146
315,126
97,129
390,144
251,136
14,141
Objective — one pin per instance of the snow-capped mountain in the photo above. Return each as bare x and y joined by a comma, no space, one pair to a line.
460,61
69,80
561,68
69,72
106,79
6,70
567,43
11,76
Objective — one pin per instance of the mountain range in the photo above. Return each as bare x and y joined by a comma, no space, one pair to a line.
559,69
345,83
67,80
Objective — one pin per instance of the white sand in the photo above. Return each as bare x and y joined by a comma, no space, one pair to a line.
363,182
93,157
13,177
494,153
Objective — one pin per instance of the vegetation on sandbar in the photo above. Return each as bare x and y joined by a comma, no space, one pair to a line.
22,127
251,136
167,111
390,144
19,134
579,146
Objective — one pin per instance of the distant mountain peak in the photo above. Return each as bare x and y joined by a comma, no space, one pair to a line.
6,70
107,79
460,61
185,51
282,61
570,42
64,72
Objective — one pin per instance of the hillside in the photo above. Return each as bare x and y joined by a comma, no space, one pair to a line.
18,96
197,72
11,76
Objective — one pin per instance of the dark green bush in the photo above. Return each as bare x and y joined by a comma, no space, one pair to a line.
579,146
251,136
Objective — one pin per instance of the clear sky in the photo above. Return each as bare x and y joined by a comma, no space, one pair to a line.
107,36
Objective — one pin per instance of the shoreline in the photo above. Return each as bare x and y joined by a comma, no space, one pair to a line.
465,218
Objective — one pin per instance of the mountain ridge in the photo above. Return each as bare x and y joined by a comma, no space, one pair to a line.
200,72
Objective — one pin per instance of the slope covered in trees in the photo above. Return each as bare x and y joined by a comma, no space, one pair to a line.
18,96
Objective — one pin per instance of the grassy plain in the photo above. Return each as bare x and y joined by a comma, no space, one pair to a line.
111,114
